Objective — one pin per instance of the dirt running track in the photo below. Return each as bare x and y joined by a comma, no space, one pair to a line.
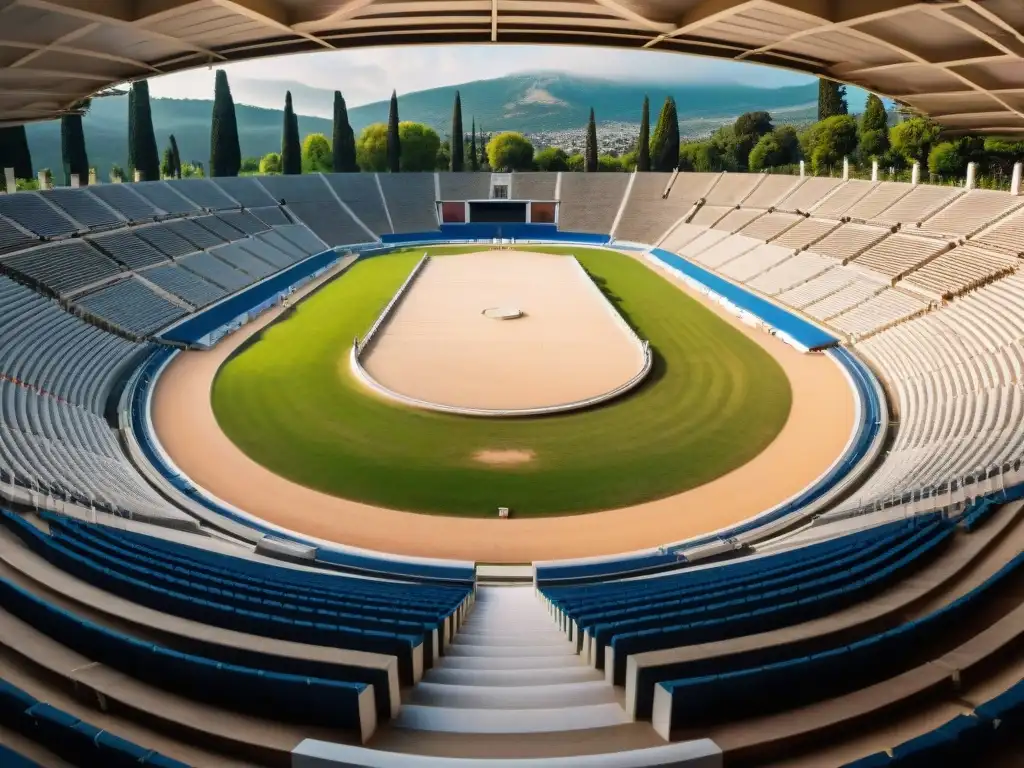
819,425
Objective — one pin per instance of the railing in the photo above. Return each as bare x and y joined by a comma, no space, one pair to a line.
361,346
948,496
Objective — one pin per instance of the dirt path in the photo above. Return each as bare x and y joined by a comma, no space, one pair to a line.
438,345
819,425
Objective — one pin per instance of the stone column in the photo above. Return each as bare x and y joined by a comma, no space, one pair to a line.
1015,181
846,169
874,170
801,169
915,173
972,171
12,183
75,184
42,180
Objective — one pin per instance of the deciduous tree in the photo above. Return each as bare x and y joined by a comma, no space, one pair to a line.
316,154
551,159
510,151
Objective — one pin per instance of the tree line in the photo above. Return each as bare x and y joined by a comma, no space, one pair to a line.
752,143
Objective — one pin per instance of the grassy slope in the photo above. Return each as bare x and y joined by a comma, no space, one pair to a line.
714,400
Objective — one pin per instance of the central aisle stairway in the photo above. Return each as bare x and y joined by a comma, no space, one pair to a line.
511,670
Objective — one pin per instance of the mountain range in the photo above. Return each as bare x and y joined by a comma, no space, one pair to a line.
539,103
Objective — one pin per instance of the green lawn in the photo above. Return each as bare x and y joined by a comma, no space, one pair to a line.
713,400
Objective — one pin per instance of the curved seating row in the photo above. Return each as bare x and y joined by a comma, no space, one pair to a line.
72,739
370,616
275,694
218,606
958,741
749,688
860,574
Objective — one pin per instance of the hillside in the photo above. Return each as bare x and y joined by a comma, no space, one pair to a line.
539,104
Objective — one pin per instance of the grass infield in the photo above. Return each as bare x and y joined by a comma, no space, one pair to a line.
712,402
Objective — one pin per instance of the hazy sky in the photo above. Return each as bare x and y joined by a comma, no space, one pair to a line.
369,74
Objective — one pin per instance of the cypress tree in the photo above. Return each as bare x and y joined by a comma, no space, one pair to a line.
458,135
72,149
344,140
176,157
474,161
643,146
14,152
874,117
665,144
831,99
394,142
590,150
291,151
131,134
225,152
143,154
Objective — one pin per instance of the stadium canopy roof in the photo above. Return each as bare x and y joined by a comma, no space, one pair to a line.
961,61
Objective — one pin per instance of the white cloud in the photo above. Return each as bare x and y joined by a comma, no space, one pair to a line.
370,74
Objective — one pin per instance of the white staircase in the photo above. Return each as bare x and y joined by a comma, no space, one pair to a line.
511,670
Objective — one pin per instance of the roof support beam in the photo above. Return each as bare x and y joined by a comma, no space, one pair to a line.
114,12
705,12
627,14
269,13
494,23
346,10
830,21
38,50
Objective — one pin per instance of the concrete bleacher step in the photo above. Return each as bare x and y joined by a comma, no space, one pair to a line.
463,720
513,677
505,662
534,639
513,697
510,670
565,650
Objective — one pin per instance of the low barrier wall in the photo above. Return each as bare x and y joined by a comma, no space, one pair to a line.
360,346
792,328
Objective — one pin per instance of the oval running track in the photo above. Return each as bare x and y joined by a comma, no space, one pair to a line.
820,423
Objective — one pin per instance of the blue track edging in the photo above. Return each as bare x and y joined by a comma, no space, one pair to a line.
248,300
803,332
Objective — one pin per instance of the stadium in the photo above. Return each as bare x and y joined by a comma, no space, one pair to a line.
514,468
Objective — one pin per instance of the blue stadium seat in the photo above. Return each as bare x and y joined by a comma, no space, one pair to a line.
309,700
755,689
74,740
